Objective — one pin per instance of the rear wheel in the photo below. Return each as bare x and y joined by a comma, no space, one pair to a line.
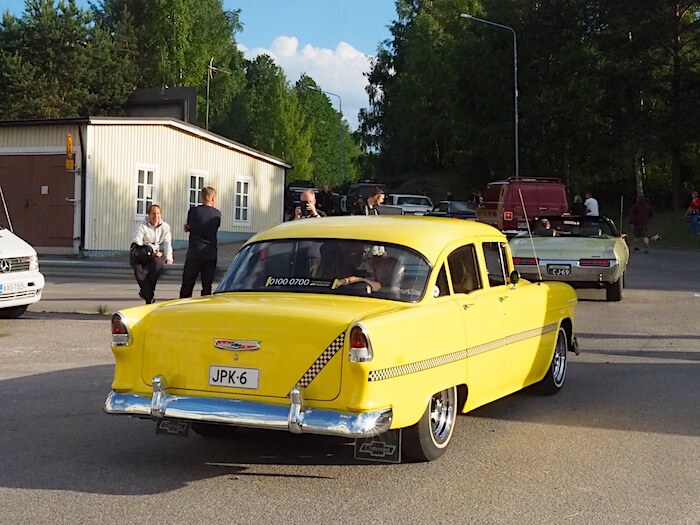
613,292
428,439
12,312
554,380
210,430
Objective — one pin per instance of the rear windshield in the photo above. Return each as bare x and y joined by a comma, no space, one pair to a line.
329,266
493,193
420,201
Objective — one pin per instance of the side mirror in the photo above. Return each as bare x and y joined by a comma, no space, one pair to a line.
514,277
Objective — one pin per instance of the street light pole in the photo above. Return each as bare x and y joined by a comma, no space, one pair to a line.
340,124
515,81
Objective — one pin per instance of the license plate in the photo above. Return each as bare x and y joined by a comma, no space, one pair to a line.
559,269
12,287
235,377
522,224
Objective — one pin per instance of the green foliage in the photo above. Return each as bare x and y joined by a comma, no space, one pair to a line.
602,87
56,62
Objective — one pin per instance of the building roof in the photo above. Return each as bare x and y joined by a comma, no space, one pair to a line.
153,121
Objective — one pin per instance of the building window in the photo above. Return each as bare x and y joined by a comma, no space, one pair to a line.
145,189
195,190
241,204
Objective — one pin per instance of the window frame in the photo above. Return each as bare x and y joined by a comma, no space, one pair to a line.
242,180
146,168
199,174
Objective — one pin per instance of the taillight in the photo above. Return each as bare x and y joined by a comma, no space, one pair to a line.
525,261
597,263
507,215
360,349
120,331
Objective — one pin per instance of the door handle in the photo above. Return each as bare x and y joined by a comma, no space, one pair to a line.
503,298
467,305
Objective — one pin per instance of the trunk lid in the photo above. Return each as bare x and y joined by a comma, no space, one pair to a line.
275,338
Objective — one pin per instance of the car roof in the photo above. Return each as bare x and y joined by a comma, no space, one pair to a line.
427,235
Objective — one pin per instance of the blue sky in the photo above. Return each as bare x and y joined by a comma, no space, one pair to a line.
330,40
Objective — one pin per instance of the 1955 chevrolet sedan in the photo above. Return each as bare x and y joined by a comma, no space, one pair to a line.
380,329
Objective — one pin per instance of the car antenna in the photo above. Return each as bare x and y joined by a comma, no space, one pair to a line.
4,205
529,234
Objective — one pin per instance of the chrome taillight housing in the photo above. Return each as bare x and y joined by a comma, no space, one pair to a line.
525,261
595,263
120,331
359,346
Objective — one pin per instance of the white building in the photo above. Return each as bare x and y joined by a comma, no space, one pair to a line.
121,166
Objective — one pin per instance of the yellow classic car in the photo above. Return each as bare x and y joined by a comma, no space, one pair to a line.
376,328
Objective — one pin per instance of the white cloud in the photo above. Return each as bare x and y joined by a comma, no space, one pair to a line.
340,70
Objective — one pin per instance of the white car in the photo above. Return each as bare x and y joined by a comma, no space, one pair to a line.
21,283
410,204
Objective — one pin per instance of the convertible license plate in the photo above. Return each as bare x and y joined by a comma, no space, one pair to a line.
235,377
559,269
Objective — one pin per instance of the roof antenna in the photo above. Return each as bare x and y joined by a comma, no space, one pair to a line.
4,205
529,233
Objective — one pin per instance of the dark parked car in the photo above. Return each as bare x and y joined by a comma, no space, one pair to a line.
456,209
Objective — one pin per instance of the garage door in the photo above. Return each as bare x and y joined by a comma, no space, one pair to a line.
39,194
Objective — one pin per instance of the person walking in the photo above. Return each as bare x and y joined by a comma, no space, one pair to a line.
155,233
203,222
373,201
640,215
591,205
693,213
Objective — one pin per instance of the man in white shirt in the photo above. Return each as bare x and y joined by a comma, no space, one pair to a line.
154,232
591,205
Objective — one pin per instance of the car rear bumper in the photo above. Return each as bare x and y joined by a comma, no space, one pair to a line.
579,276
292,417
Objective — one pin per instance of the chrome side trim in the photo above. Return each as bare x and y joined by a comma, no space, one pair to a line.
292,418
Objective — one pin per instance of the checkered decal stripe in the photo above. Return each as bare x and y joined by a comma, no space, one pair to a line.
396,371
411,368
318,365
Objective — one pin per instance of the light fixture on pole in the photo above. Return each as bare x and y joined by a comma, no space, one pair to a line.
515,81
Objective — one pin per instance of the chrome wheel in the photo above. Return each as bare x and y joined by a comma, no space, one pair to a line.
559,359
428,439
554,379
442,415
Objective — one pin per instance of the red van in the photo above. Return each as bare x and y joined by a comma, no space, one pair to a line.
502,206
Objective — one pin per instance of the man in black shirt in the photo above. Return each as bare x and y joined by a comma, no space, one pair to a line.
202,224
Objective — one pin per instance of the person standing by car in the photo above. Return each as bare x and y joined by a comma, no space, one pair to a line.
640,215
203,222
693,213
591,205
154,232
578,209
325,200
308,205
373,201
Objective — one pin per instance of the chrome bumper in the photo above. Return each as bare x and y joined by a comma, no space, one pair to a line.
292,418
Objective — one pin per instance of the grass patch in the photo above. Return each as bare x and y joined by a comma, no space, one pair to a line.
103,309
674,231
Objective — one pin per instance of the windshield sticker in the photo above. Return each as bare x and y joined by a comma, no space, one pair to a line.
297,281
